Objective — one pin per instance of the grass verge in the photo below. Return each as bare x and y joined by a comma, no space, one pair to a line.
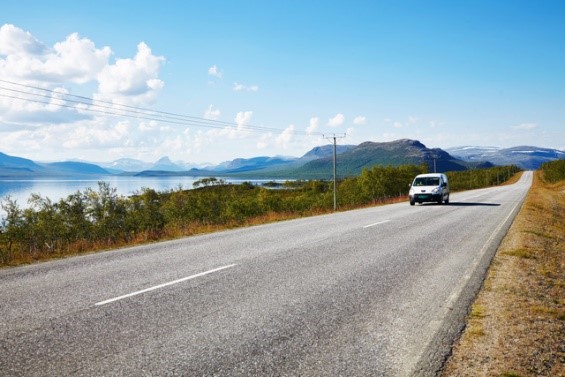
516,326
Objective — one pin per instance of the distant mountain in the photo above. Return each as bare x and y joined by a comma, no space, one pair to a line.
240,165
17,167
470,153
325,151
316,163
369,154
526,157
126,165
72,167
165,164
11,166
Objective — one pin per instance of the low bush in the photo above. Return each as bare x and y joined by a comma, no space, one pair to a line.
96,219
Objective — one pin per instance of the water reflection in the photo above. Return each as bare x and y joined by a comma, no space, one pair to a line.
56,189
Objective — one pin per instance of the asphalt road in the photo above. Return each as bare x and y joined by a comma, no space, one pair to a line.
380,291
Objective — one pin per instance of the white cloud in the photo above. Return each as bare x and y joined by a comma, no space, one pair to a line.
36,107
68,129
313,126
68,140
217,136
215,71
132,81
15,41
75,59
360,120
525,126
148,126
212,113
242,119
337,120
265,141
285,138
86,136
245,88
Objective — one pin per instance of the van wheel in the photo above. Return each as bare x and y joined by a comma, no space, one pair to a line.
447,200
412,202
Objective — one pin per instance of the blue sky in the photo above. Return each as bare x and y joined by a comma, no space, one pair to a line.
447,73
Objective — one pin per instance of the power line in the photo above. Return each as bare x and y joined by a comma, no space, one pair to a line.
122,110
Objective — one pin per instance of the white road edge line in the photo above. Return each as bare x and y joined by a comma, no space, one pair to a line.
163,285
379,223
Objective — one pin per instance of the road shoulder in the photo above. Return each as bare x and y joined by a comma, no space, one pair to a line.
516,326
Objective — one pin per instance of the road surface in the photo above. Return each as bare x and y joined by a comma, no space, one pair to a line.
380,291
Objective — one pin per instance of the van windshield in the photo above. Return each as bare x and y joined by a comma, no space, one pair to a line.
426,181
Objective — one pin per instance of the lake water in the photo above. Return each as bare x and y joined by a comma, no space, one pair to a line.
56,189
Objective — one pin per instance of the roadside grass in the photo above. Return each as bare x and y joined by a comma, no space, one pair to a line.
516,326
475,325
189,229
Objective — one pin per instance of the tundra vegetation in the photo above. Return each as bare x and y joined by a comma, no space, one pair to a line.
101,219
516,326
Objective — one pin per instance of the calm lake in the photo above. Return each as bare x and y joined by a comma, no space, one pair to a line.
55,189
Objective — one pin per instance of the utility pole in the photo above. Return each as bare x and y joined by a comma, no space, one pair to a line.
334,137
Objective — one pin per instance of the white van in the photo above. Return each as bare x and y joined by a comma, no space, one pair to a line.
432,187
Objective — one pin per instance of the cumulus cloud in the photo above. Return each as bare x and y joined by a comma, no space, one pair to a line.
242,119
75,59
360,120
213,136
15,41
337,120
215,72
48,120
285,137
35,106
212,113
64,140
237,87
265,141
40,70
133,81
313,126
86,136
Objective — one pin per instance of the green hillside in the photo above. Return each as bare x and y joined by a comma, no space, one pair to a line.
369,154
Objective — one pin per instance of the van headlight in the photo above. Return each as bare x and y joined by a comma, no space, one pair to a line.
437,190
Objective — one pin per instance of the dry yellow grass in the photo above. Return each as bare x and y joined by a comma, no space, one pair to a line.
517,325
